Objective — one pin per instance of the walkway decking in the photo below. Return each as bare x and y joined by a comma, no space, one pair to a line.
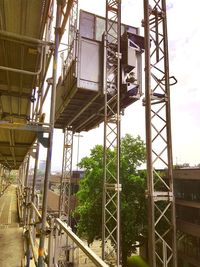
11,239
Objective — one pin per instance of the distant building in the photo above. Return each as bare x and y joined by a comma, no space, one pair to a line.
42,165
54,190
187,200
187,193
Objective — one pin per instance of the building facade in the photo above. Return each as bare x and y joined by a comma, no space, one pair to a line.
187,193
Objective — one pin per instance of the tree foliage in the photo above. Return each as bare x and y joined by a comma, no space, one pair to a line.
133,210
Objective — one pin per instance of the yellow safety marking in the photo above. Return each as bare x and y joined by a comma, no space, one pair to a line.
40,252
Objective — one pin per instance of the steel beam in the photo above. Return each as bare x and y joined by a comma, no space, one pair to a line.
160,194
27,39
33,127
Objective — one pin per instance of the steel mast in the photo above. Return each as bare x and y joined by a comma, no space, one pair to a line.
161,203
111,85
65,189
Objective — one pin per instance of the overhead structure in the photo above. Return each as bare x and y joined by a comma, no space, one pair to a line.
80,96
161,203
22,54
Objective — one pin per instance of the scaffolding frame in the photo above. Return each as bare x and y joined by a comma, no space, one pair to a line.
111,87
161,202
157,100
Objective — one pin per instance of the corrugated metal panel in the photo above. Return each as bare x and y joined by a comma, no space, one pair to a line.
23,17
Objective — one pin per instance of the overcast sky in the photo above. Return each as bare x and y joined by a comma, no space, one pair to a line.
184,43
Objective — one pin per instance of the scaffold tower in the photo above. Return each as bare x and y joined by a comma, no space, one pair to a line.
161,204
65,185
112,186
65,189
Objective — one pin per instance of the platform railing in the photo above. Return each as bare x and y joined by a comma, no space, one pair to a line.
63,247
76,252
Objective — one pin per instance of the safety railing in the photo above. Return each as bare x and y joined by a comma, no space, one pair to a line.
70,250
62,247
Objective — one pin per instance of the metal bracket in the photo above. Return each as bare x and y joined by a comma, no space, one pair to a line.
43,140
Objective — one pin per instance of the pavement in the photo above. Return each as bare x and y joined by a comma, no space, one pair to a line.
11,235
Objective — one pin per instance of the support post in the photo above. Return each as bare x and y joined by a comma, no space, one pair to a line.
49,150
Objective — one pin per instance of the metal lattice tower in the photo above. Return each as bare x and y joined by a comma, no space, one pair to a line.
162,229
72,33
112,186
65,189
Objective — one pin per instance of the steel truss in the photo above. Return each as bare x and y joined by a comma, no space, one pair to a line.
65,192
65,189
112,186
161,204
72,30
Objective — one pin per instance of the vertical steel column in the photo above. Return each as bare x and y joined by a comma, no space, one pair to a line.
26,170
65,188
112,186
26,189
161,204
35,173
49,150
33,193
65,191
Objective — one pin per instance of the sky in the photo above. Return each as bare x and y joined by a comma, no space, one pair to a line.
184,43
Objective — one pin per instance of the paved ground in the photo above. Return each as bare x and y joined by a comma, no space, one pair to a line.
11,240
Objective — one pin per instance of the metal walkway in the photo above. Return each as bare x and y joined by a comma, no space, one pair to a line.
11,239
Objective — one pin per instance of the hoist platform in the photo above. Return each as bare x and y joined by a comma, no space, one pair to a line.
80,96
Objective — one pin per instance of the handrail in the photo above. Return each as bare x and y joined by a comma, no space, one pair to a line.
33,248
36,210
91,255
26,71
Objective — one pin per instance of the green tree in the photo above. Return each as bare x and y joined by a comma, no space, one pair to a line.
133,209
